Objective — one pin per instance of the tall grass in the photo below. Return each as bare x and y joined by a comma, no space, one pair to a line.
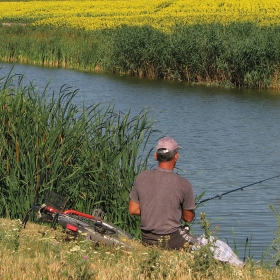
235,55
89,155
273,251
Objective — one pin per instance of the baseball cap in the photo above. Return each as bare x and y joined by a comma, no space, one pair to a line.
168,144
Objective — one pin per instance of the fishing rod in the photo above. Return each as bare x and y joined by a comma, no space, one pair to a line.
234,190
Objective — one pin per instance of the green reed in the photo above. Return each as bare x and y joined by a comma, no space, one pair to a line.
90,155
273,251
236,55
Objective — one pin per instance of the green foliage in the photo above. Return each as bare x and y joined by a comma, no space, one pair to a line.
150,266
9,235
204,262
236,55
206,226
90,156
138,51
273,252
203,255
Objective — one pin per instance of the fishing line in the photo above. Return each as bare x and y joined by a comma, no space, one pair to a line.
234,190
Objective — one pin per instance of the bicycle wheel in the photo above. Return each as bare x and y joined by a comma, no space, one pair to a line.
112,227
101,226
111,240
96,233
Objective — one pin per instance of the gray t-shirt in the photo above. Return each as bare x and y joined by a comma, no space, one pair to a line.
162,194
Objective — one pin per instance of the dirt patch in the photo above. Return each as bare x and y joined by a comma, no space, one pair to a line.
13,23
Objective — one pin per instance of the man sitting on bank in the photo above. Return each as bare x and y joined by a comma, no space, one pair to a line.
162,198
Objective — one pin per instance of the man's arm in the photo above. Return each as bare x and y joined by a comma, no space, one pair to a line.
188,215
134,208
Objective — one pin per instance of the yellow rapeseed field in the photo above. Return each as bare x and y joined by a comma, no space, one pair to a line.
161,14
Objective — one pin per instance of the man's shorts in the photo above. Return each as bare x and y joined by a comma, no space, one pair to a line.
181,238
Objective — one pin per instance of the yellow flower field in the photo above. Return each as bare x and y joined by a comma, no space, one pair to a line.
161,14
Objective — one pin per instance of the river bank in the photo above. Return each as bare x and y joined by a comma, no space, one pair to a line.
241,55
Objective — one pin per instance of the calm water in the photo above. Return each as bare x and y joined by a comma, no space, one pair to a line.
230,138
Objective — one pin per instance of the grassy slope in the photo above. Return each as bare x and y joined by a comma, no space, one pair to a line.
39,252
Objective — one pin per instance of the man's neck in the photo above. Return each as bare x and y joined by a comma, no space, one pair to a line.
166,165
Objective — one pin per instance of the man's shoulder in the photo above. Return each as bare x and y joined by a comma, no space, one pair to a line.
146,172
182,180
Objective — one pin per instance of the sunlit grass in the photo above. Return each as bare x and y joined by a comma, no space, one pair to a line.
39,252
